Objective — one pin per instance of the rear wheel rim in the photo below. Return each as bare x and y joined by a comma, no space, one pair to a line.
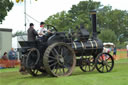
59,59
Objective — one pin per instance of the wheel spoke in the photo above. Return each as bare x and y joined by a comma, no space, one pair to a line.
102,68
53,64
56,71
52,57
63,70
91,63
54,68
106,68
53,53
57,66
89,67
86,67
60,70
36,71
51,61
61,50
56,51
99,62
100,59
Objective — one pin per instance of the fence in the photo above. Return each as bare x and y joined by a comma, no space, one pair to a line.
121,53
8,63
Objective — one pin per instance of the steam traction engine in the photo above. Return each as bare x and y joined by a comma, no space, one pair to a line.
57,54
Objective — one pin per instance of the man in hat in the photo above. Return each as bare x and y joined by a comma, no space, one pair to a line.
32,33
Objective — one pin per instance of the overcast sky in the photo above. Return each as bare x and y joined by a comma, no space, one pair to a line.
42,9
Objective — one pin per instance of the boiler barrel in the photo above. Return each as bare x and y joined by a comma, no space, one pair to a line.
87,48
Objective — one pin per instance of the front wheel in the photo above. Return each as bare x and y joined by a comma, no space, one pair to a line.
104,62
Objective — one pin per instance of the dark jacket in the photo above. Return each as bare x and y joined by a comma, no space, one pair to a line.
4,57
12,55
32,34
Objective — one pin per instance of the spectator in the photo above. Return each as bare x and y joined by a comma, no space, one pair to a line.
114,52
4,57
12,55
127,49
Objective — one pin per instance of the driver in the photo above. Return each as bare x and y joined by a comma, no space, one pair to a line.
42,31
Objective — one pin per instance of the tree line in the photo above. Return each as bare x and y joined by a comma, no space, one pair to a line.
112,23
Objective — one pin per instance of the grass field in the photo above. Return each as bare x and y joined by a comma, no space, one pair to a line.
118,76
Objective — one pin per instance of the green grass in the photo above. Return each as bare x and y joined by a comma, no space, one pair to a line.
118,76
9,69
122,61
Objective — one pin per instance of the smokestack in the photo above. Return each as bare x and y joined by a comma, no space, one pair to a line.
93,18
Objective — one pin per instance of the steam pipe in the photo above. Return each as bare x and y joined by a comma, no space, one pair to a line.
93,17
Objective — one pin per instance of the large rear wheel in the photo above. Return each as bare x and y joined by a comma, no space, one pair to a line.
59,59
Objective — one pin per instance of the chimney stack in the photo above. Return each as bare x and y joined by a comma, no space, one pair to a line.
93,18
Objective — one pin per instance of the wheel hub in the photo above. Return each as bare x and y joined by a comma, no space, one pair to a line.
60,60
85,62
105,62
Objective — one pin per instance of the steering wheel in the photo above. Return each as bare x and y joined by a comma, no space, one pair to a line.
51,28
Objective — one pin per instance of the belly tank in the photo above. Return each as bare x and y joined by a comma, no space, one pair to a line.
90,47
